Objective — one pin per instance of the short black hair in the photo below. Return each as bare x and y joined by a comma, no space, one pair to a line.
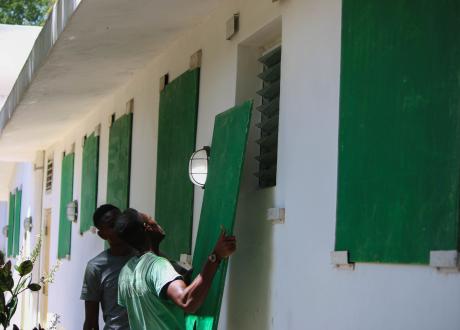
130,227
106,214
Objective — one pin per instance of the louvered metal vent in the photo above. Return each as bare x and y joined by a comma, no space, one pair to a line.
49,176
268,125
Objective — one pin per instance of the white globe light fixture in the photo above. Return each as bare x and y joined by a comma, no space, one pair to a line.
198,166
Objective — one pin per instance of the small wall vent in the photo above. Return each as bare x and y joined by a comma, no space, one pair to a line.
49,175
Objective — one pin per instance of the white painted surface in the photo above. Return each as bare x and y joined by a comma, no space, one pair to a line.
103,45
23,178
16,41
281,276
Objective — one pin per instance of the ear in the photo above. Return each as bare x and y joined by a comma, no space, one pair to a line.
102,235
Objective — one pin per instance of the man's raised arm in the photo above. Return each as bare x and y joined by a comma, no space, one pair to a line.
191,297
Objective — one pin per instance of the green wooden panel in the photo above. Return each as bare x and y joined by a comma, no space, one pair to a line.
89,182
399,139
11,224
220,201
65,226
17,222
176,143
119,161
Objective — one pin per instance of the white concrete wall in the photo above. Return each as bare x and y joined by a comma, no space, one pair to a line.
28,178
281,276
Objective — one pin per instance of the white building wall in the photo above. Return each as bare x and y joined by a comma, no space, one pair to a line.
27,177
281,276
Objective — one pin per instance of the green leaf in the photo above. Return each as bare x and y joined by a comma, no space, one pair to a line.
3,283
25,267
9,283
11,308
7,267
34,286
3,319
6,281
2,303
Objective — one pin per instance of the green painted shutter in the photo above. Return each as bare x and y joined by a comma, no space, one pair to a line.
176,143
119,170
17,222
89,182
65,226
11,224
399,139
219,204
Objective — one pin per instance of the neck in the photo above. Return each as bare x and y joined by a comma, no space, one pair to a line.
152,248
119,249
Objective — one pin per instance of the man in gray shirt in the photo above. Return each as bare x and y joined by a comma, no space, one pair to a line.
100,284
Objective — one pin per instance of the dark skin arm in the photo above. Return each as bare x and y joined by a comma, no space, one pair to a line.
191,297
91,315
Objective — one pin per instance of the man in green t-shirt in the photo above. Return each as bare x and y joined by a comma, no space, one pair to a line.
153,293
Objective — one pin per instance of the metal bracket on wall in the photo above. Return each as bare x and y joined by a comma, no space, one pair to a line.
164,80
185,261
112,118
97,130
276,215
341,261
445,260
232,26
130,106
195,59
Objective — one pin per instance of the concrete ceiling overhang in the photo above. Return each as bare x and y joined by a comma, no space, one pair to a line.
103,44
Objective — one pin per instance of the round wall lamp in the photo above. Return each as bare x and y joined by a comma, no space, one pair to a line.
198,166
72,211
28,224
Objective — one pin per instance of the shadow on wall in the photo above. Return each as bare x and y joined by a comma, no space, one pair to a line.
250,282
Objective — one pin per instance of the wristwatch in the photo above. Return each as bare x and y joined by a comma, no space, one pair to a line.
213,258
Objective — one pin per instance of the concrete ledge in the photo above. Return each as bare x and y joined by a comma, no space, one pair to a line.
55,24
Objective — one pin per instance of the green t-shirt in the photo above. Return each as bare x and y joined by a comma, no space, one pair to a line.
139,286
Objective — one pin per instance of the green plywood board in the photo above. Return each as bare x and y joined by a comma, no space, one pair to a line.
176,143
220,202
65,226
11,224
119,170
17,222
89,182
399,139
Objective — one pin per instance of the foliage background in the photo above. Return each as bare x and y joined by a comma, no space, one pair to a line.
25,12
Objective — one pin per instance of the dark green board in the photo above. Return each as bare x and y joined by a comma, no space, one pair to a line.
11,225
220,203
119,162
399,139
89,180
17,222
65,226
176,143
